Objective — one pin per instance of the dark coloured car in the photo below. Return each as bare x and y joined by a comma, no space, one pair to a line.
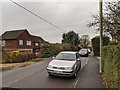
84,52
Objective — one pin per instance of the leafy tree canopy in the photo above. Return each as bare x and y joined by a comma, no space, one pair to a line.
85,41
70,37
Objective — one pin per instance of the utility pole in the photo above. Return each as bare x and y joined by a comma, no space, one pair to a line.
101,32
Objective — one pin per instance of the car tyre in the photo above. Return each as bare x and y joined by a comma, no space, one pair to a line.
50,75
75,75
79,67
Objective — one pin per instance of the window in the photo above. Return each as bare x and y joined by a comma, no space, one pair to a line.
66,56
20,42
36,44
3,43
28,43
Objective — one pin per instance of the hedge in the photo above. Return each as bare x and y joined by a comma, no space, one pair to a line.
111,65
49,50
15,57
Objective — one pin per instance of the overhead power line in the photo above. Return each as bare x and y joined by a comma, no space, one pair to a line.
37,15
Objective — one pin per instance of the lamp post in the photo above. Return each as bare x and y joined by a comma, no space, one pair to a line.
101,36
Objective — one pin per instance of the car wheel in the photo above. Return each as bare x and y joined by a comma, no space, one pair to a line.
79,67
75,75
50,74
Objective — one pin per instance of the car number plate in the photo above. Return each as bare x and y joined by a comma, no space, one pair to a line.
57,71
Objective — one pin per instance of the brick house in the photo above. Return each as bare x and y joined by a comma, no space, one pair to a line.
20,40
37,41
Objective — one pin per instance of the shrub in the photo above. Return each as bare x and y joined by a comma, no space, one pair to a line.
111,65
96,44
16,57
49,50
113,43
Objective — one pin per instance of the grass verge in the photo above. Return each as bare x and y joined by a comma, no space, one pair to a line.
9,66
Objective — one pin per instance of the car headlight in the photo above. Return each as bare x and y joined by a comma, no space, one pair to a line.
69,68
49,66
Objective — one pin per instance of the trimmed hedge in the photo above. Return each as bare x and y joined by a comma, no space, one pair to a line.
111,65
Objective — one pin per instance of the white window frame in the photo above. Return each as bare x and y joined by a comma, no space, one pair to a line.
36,44
28,43
2,42
20,42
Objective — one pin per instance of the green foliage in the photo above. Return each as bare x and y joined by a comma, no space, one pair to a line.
113,43
15,57
49,50
71,37
85,41
96,44
111,65
38,59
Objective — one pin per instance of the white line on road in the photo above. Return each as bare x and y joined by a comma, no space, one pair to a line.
76,83
86,62
79,76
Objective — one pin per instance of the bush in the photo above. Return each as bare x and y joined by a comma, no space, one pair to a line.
111,65
113,43
96,44
16,57
49,50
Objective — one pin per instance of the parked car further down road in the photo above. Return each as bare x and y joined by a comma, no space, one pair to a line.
66,63
84,52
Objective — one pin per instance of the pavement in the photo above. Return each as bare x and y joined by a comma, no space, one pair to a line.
36,76
90,76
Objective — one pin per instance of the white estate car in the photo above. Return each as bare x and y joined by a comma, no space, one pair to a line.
66,63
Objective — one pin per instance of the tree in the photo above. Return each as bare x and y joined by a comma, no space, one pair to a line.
70,37
111,19
96,44
85,41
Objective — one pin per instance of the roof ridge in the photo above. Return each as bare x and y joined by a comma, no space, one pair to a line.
16,30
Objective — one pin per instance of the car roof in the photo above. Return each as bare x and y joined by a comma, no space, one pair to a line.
69,52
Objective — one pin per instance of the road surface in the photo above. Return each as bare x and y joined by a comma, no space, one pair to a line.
36,76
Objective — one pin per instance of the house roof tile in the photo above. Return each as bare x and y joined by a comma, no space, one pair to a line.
13,34
16,33
37,39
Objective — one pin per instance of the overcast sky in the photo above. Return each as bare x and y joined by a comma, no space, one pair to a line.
69,15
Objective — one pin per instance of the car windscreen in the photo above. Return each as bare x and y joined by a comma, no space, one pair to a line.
83,50
66,56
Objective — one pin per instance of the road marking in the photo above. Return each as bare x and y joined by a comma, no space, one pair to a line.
79,76
86,62
16,80
76,83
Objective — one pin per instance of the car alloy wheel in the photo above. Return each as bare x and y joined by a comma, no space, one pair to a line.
75,75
